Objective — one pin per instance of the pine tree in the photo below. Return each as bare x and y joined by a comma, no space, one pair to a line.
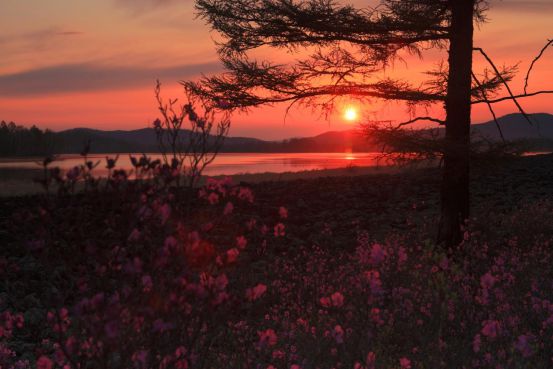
350,47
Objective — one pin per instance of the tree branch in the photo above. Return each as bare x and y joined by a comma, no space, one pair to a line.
513,97
430,119
505,98
549,43
490,106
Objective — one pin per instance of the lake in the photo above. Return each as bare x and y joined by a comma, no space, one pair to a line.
224,164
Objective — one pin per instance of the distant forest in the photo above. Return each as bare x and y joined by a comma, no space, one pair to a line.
17,140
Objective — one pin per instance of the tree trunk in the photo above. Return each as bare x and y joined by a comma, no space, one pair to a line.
455,183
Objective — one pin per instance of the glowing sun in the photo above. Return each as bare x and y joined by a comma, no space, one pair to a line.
351,114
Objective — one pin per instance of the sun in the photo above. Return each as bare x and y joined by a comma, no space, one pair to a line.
351,114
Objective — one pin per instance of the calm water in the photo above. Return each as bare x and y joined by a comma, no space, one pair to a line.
227,164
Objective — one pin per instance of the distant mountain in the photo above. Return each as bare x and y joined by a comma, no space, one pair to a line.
144,140
539,136
141,140
515,127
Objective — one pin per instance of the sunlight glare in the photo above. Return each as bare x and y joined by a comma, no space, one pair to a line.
351,114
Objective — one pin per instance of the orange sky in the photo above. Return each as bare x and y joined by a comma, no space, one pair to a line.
77,63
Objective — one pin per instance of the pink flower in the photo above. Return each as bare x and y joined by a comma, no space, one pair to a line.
139,359
44,362
241,242
371,359
213,198
523,345
256,292
221,282
490,328
147,283
405,363
245,194
402,255
232,255
377,254
487,281
295,366
325,301
476,343
338,334
373,277
267,337
283,212
279,230
134,236
337,299
228,208
164,213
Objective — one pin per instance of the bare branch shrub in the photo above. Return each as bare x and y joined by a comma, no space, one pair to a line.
189,139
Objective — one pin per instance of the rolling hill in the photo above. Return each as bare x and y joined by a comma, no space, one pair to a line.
514,127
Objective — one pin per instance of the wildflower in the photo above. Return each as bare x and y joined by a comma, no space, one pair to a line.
279,230
139,359
295,366
232,255
377,254
283,212
523,345
267,337
44,362
337,299
371,359
405,363
402,255
228,208
325,301
245,194
373,277
134,236
490,328
164,212
221,282
476,343
256,292
487,281
338,334
200,253
241,242
213,198
147,283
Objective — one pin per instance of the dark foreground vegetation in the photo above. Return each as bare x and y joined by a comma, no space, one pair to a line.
322,273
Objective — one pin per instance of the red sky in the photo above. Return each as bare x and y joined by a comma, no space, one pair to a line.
68,63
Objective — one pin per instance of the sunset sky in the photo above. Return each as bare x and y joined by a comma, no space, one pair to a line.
83,63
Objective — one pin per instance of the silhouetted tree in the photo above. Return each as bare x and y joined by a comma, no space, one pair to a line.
17,140
349,47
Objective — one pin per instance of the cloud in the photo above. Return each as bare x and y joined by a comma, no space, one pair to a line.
38,36
74,78
527,6
148,4
69,33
